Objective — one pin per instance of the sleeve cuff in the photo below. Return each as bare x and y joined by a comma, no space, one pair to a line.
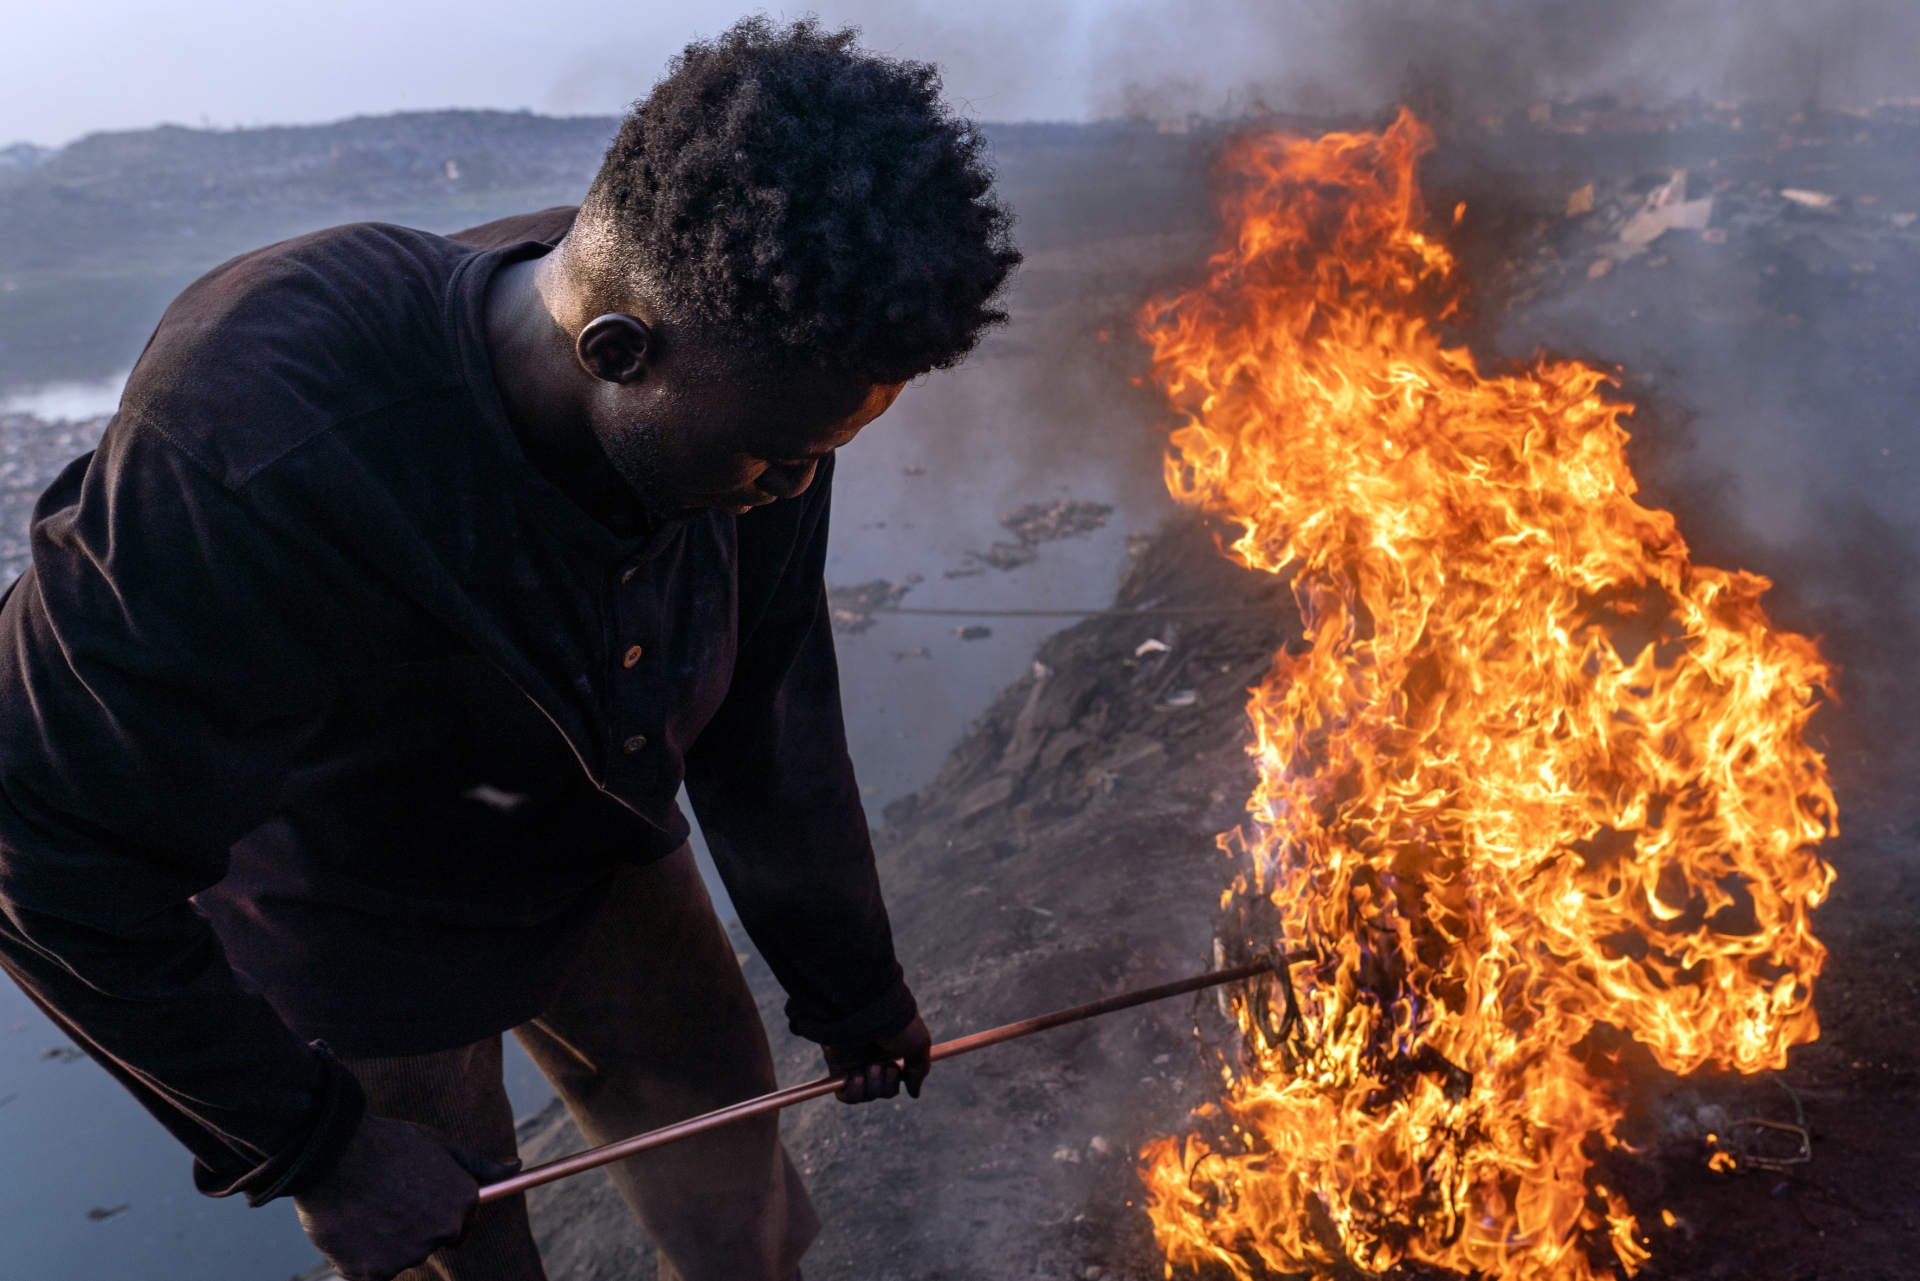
302,1164
879,1018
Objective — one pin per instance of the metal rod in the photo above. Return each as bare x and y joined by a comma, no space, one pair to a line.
593,1158
1209,611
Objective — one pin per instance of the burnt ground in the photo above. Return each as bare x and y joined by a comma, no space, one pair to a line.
1066,850
1065,853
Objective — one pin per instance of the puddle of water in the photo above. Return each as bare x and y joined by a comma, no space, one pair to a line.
67,400
75,1142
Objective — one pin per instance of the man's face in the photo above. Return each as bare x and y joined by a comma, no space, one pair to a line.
699,434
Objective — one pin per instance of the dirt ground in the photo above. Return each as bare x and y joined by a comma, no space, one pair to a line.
1066,852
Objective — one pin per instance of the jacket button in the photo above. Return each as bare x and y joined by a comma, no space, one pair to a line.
633,656
634,744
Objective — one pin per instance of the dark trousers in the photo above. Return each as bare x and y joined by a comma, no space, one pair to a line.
655,1024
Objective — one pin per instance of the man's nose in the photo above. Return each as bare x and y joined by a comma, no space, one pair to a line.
787,480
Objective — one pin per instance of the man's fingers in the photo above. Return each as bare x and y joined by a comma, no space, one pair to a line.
875,1081
887,1084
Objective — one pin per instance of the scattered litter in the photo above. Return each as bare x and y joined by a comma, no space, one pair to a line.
1100,1145
913,469
1069,1155
853,606
1151,646
1580,201
1062,518
1007,555
1182,698
1601,266
918,651
975,632
100,1214
1041,911
1809,199
65,1053
1032,525
1666,209
1761,1145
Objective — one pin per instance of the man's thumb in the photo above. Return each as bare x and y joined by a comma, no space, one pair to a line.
483,1168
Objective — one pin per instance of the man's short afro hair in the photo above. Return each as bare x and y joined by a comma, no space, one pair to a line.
808,200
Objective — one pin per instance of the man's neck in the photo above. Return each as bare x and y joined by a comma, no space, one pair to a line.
544,390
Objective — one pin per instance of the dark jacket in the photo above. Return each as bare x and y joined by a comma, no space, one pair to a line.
315,721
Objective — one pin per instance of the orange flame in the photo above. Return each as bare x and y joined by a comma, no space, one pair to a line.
1532,771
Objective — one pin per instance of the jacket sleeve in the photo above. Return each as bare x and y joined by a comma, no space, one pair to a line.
774,789
157,676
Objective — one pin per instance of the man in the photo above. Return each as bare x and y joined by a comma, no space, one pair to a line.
344,706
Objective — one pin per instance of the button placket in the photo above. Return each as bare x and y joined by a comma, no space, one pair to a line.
626,703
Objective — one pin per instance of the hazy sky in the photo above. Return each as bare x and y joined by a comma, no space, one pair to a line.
66,69
69,69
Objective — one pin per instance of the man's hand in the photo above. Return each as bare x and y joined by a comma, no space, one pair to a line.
399,1192
875,1069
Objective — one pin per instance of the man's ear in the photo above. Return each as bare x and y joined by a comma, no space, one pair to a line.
614,347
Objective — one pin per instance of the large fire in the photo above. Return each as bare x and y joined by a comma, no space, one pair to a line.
1532,772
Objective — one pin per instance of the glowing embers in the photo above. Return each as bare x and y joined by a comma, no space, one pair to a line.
1533,771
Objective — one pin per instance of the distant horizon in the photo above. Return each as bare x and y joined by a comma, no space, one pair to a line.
68,72
261,126
1385,105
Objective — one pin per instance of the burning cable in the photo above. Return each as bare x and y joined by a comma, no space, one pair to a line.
1532,772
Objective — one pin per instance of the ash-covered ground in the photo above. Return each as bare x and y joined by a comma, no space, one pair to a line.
1066,852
